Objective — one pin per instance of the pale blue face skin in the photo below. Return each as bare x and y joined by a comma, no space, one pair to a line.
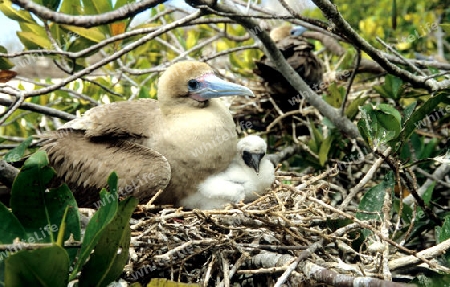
298,30
209,86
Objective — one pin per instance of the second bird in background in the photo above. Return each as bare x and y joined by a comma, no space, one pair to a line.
247,177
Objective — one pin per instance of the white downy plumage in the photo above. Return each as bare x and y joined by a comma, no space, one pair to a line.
246,178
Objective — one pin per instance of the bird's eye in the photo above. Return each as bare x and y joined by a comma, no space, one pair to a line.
193,84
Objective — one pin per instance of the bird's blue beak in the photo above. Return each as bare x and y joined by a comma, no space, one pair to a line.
298,30
210,86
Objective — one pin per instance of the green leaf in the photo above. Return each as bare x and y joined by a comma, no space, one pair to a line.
96,8
191,40
100,6
5,63
444,231
446,28
432,279
316,138
324,149
372,201
13,14
17,153
40,211
365,130
57,200
417,119
51,4
32,41
112,251
353,108
335,95
36,29
92,34
28,197
10,228
427,148
409,110
105,214
71,7
428,193
388,109
392,87
47,266
78,44
380,124
163,282
407,212
144,92
120,3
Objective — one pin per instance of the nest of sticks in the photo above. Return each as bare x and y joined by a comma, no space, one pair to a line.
288,237
303,232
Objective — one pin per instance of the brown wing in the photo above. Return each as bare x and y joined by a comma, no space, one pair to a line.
85,166
106,121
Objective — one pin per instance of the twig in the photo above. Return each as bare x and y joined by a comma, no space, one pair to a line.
332,278
352,78
384,230
284,154
225,269
439,173
305,254
39,109
405,61
20,98
7,173
369,175
209,271
229,51
429,253
72,92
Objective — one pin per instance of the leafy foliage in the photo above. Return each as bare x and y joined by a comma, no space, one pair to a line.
37,216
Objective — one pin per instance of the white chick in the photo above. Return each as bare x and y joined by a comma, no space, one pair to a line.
247,177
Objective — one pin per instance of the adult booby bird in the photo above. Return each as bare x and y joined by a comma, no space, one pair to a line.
299,54
248,176
151,144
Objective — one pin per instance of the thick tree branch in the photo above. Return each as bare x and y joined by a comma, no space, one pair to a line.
7,173
121,13
271,50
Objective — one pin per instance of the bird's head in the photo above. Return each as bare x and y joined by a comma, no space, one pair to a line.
298,30
279,33
252,149
194,84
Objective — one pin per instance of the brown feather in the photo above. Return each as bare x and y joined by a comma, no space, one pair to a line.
85,166
299,54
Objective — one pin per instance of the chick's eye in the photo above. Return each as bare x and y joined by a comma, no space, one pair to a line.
193,84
